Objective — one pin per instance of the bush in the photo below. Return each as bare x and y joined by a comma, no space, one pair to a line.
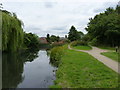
56,54
77,43
57,44
94,42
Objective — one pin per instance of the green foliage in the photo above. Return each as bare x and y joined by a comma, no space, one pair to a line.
107,47
81,47
67,41
13,37
57,44
74,34
94,42
13,64
31,40
81,70
86,38
48,38
80,35
104,28
56,55
53,87
12,32
77,43
54,38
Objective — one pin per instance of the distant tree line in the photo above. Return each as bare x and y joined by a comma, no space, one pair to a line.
52,38
13,36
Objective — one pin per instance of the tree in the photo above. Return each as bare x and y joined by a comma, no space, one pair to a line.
57,38
86,38
54,38
1,6
31,40
65,36
81,34
74,34
104,28
12,32
48,38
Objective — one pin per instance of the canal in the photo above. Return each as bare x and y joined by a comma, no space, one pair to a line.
27,70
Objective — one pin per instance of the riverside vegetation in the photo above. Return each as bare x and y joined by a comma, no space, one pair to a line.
13,36
81,70
75,69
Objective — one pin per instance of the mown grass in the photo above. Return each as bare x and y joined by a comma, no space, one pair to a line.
82,47
106,47
80,70
112,55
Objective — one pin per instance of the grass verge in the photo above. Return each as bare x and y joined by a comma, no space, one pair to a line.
107,48
81,70
82,47
112,55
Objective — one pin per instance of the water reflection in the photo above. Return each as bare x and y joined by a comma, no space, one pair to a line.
29,69
13,67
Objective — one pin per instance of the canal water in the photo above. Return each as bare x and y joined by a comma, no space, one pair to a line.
28,70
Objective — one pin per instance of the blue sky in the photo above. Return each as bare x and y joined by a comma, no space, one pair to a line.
56,16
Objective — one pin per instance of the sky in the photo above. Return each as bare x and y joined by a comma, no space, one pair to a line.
56,16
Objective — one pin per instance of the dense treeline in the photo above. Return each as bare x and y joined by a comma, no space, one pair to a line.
52,38
31,40
104,28
13,36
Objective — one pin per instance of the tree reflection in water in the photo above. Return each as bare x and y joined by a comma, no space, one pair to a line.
13,65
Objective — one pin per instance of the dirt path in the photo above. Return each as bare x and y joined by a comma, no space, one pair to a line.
95,52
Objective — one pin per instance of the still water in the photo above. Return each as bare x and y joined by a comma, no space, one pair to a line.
28,70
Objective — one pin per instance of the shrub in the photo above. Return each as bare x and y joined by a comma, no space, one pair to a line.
77,43
60,43
56,54
94,42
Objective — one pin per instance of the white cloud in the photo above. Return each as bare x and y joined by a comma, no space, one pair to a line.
56,16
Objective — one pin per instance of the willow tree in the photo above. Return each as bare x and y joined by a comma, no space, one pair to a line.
12,32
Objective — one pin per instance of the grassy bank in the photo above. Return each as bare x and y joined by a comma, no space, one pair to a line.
80,70
82,47
106,47
112,55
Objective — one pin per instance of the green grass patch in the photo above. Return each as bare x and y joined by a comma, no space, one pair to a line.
82,47
112,55
81,70
107,48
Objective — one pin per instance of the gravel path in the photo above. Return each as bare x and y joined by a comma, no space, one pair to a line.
95,52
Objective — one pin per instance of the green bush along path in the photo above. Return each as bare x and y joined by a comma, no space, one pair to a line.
81,47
